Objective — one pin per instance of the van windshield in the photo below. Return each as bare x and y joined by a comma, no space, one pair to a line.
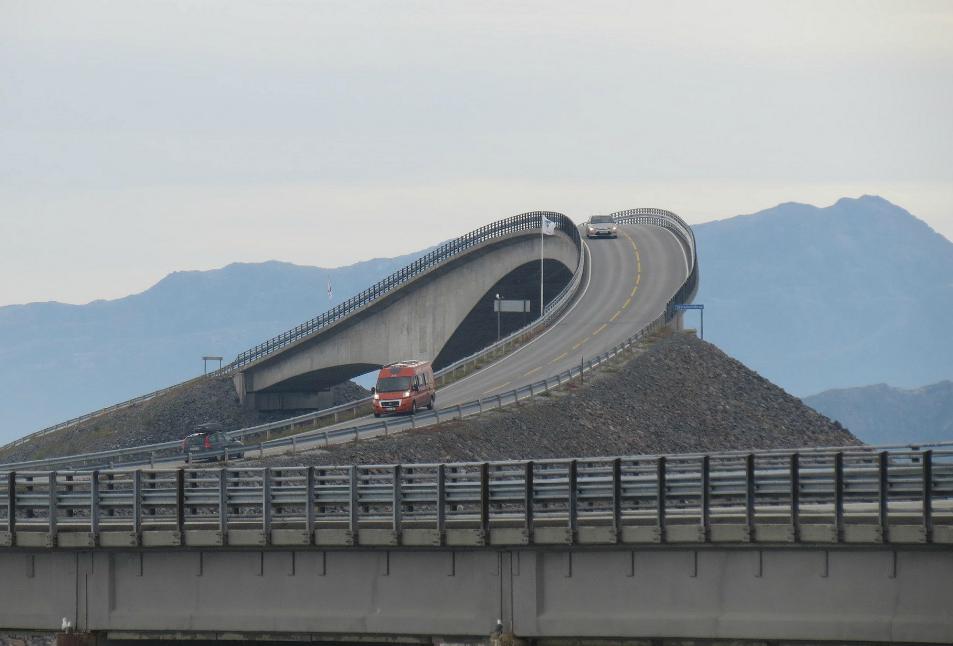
601,219
392,384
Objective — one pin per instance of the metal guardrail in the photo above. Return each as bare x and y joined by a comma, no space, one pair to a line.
157,454
815,496
426,263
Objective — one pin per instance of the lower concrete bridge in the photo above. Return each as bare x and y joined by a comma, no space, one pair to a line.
840,545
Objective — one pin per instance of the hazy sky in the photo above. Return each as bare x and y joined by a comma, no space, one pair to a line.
138,138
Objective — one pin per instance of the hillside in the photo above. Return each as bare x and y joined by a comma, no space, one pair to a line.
680,395
817,298
58,361
883,415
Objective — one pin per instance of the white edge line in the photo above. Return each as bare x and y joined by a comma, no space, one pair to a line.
680,246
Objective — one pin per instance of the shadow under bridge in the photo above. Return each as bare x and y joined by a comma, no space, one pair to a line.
443,314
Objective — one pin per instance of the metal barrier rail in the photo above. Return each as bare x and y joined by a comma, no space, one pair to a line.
501,228
812,496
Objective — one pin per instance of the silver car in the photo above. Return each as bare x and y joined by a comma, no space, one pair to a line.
602,226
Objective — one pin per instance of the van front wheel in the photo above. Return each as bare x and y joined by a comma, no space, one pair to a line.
433,398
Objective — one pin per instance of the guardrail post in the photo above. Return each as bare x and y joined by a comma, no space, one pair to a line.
309,504
705,498
572,507
617,498
294,445
352,506
180,502
839,495
396,504
794,470
223,502
266,503
528,498
749,493
137,505
441,500
928,494
12,504
94,505
883,495
485,500
660,496
52,505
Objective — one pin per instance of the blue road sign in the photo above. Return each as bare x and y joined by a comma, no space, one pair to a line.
690,307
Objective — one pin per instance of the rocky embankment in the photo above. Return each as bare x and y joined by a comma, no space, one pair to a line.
171,416
680,395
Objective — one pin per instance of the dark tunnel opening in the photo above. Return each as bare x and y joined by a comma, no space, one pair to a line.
479,328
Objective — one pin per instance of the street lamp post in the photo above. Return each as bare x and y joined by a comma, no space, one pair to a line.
498,308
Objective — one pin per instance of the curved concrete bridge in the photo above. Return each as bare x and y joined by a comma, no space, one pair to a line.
432,315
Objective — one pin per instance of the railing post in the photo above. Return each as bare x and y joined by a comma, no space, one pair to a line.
485,500
705,498
883,494
838,495
266,503
94,505
660,496
309,504
928,494
137,505
180,503
795,481
749,493
441,500
352,506
223,502
528,499
12,504
396,504
617,498
52,515
572,506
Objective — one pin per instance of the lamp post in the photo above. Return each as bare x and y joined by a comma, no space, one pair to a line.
498,308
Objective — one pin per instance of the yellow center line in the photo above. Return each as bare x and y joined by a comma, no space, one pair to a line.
537,369
497,388
576,347
638,277
634,290
615,316
601,328
560,357
628,302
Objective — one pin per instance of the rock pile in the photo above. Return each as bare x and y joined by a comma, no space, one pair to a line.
681,395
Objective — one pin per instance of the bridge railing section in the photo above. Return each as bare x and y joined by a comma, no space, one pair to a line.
861,495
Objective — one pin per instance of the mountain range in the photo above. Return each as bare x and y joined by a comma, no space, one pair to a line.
881,414
856,293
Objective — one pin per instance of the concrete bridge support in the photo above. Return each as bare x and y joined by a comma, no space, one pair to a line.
811,594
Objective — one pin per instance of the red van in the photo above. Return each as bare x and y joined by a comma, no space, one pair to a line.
404,387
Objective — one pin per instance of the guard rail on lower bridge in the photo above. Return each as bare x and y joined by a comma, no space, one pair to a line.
854,495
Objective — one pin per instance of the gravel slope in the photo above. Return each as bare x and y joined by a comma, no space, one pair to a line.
680,395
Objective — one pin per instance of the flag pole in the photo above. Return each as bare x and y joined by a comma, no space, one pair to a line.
542,227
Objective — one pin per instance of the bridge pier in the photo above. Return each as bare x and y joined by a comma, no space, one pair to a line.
79,639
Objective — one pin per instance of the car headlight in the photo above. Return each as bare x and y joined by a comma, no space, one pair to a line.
615,228
406,393
376,396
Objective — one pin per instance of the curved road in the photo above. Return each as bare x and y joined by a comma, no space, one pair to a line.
631,279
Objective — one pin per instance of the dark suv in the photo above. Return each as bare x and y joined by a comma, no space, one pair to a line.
209,441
